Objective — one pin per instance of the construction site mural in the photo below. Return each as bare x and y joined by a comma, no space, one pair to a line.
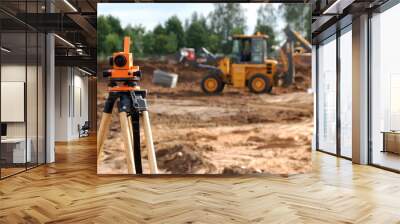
201,88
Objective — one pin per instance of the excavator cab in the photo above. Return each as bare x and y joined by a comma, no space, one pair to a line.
249,49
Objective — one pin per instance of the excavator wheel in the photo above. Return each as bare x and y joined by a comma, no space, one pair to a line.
260,84
212,84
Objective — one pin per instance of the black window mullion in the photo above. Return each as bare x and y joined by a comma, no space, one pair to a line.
26,86
369,83
316,97
1,165
338,76
37,90
73,92
45,89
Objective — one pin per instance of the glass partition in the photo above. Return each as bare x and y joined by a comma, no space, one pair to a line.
41,97
31,97
346,93
385,89
13,94
22,88
327,96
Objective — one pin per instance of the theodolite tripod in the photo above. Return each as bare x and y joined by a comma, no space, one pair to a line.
131,105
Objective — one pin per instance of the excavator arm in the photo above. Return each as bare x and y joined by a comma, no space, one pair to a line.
294,36
283,60
287,53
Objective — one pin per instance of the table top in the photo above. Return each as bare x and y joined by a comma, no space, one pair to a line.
13,140
391,132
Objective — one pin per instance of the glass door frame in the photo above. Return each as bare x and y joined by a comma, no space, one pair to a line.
339,32
387,5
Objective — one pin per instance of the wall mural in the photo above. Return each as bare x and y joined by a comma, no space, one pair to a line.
204,88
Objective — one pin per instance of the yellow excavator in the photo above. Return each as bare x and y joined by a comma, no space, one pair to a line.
248,66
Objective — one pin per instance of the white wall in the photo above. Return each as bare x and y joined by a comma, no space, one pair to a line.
71,107
61,103
81,104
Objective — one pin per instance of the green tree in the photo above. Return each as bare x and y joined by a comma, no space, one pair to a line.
197,35
271,41
112,43
197,32
103,29
226,19
136,33
267,14
159,30
213,43
202,21
115,25
174,26
298,17
106,42
266,21
148,44
165,44
172,44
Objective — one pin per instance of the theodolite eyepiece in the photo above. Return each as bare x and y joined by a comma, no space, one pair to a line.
120,60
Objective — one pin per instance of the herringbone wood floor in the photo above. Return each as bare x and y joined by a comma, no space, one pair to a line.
69,191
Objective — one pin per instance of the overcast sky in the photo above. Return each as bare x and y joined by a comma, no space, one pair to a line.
151,14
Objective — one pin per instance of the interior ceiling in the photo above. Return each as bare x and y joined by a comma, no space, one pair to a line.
84,6
64,20
76,25
323,22
15,42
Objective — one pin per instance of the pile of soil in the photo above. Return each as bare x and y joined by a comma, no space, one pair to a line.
233,170
183,158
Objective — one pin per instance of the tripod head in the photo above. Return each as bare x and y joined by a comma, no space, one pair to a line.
123,70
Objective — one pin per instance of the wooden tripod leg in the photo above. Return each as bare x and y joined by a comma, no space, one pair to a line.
126,134
149,143
102,133
130,127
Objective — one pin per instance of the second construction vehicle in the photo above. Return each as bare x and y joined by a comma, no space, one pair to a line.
248,66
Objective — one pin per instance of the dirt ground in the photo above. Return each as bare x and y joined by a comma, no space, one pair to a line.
237,132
